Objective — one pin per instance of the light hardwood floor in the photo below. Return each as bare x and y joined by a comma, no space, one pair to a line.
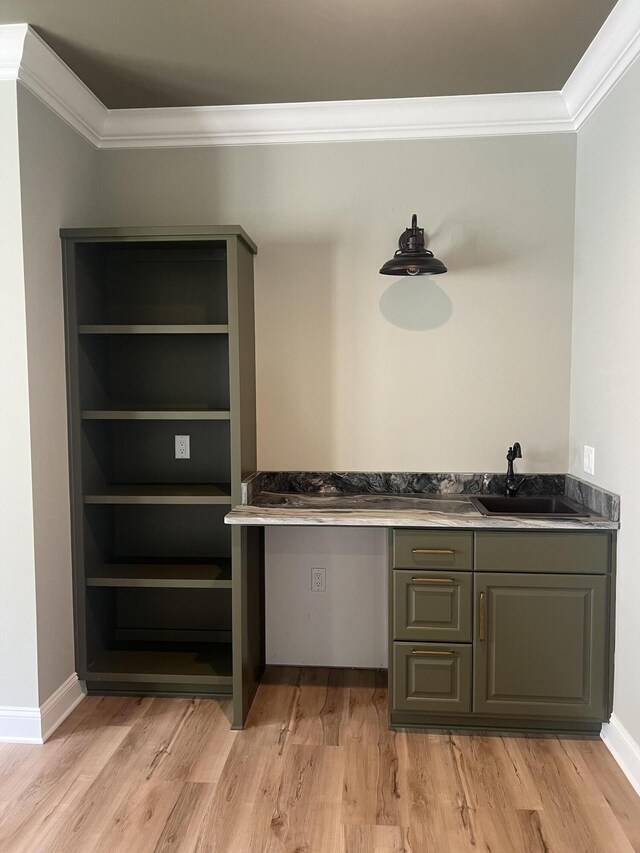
315,771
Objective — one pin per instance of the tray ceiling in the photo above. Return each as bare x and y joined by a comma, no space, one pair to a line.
161,53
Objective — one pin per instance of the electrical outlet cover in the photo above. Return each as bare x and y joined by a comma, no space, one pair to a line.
182,447
318,580
589,460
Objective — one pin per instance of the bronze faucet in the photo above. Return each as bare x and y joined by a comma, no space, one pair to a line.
513,485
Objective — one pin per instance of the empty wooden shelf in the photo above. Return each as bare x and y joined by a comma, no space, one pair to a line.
204,664
166,493
154,371
153,329
193,575
156,415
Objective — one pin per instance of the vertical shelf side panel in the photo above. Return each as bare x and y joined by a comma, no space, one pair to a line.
75,462
247,363
247,543
247,549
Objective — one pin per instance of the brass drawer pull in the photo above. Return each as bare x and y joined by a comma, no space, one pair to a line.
437,654
482,618
432,580
433,551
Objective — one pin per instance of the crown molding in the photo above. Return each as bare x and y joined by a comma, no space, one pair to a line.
50,79
615,47
338,121
24,56
12,38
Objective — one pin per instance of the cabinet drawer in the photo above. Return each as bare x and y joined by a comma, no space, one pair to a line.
432,549
565,552
432,606
432,677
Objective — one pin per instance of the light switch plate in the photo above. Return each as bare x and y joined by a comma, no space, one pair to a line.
589,460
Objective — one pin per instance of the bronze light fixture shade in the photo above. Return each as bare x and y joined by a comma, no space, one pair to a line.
412,258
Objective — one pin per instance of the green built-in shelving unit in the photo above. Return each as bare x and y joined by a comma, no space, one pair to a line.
160,342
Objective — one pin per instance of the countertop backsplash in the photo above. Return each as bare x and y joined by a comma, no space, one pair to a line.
599,501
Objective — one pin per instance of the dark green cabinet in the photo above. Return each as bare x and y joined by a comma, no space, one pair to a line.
519,635
540,645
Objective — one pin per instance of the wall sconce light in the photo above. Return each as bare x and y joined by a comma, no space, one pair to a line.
412,258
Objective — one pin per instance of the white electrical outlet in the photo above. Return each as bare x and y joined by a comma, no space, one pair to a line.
183,447
318,580
589,460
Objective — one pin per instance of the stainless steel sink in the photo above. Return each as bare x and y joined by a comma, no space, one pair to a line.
533,506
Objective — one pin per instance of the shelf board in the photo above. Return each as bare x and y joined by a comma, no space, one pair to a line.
211,575
162,493
153,329
156,415
205,663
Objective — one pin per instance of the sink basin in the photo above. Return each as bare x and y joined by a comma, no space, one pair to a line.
550,506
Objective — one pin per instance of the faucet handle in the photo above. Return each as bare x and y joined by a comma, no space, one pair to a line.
516,488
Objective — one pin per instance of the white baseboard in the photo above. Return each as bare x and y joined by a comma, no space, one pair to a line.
60,704
35,725
20,725
624,749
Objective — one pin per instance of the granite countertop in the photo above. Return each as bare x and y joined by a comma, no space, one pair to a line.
410,500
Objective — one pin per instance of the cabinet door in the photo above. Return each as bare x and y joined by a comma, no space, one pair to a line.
540,649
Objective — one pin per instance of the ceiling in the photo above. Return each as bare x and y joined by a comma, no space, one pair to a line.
166,53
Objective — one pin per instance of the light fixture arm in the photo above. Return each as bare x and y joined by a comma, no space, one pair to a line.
412,239
412,257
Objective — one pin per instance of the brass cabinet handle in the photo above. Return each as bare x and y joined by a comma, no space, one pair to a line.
482,618
432,580
433,551
425,652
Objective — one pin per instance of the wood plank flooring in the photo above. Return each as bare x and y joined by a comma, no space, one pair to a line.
315,771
